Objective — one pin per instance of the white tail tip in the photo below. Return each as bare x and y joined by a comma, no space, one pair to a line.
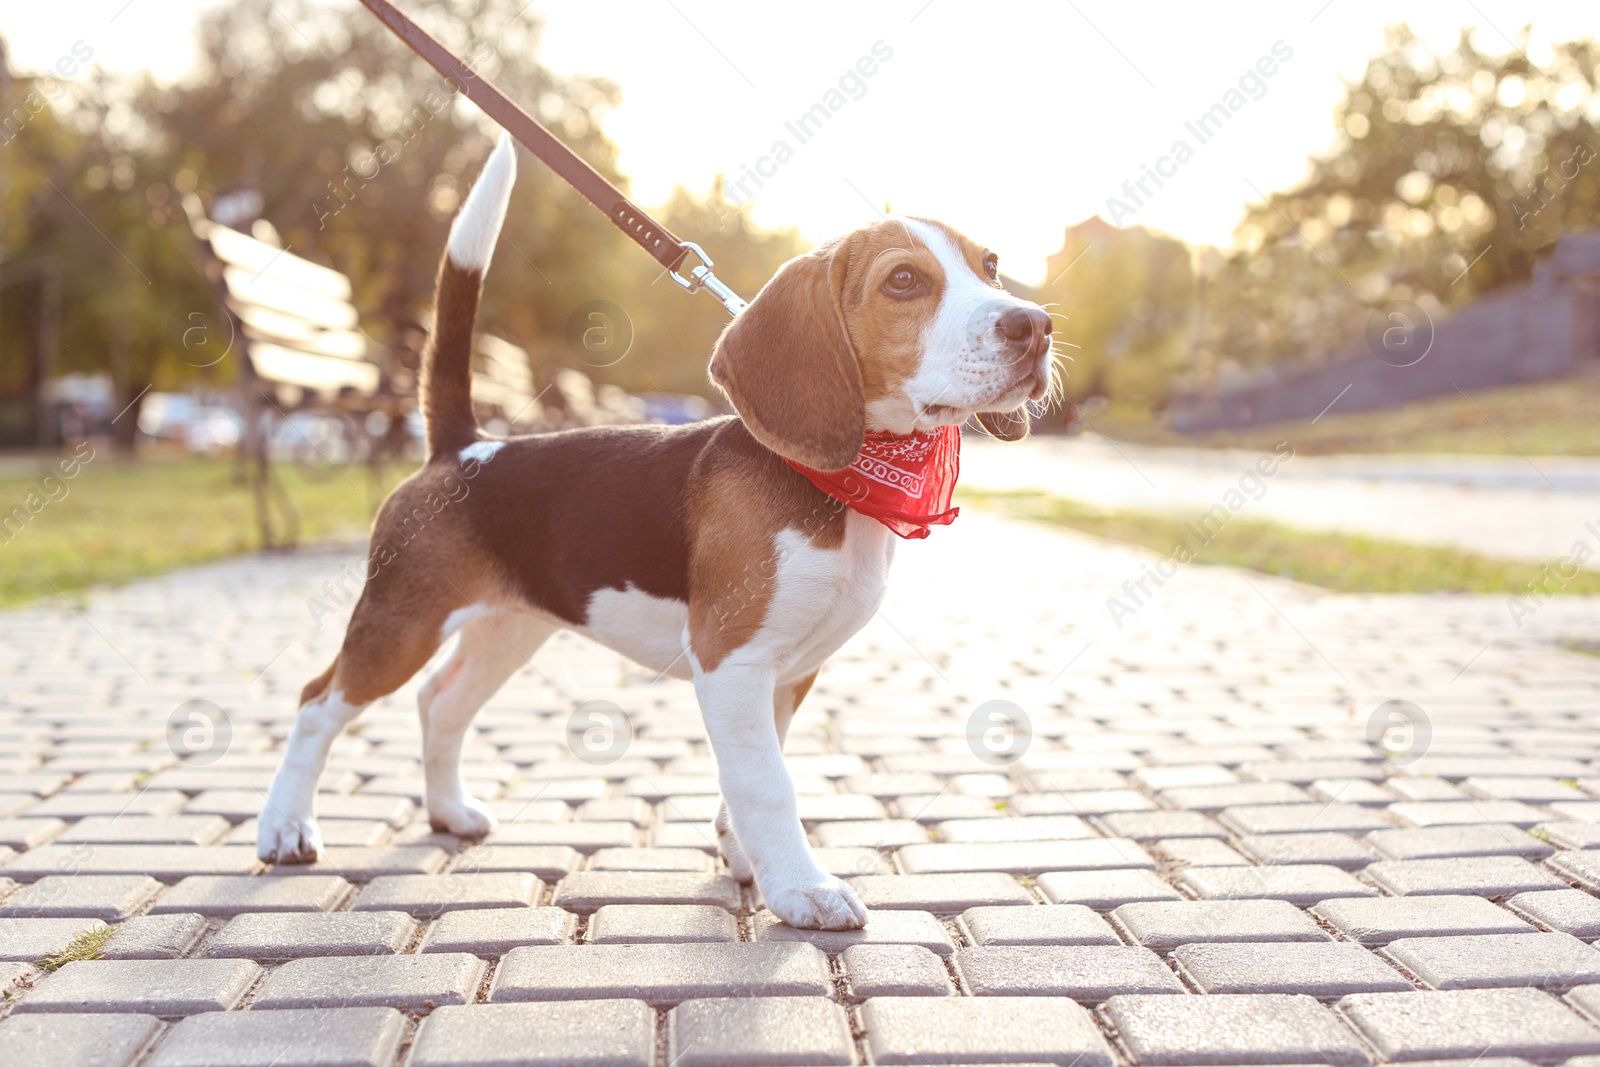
477,225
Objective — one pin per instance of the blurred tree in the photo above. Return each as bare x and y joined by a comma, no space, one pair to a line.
1127,296
1449,175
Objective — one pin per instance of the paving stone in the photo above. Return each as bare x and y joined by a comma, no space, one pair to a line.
632,924
850,862
596,1033
895,971
26,940
617,809
221,896
1569,834
1104,890
1024,857
108,897
1223,1028
1302,771
23,834
935,1030
167,863
149,987
1087,973
1463,1024
1153,825
548,863
660,974
81,805
1334,850
1440,842
1423,788
1023,828
759,1032
1531,790
877,833
1063,924
1217,797
1096,802
1570,911
291,935
1485,876
348,1037
1326,970
14,974
1581,867
1199,852
884,927
650,859
155,937
427,896
1587,1000
1351,791
1163,925
365,864
84,1040
1457,812
1551,961
496,931
146,830
1302,819
410,983
238,804
1297,883
584,837
1381,920
586,891
942,894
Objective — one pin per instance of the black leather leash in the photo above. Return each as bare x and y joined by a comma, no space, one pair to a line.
649,234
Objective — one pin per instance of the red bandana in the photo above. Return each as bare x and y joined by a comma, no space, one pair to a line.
905,481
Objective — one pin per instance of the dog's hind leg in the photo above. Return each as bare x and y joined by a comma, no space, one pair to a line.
374,662
785,702
488,651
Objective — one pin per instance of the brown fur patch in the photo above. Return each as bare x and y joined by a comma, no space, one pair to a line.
740,499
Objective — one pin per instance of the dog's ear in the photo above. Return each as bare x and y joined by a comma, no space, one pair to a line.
1006,425
787,365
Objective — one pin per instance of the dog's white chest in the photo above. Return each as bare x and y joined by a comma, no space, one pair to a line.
821,596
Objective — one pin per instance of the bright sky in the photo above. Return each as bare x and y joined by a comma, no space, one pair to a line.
1008,119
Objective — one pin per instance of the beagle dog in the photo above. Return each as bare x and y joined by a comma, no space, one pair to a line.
696,550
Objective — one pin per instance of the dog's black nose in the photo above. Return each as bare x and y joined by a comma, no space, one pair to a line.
1022,325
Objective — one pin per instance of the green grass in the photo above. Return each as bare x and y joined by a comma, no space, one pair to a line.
1339,562
1551,418
120,519
86,946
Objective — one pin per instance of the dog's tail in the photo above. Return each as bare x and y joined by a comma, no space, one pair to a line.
446,385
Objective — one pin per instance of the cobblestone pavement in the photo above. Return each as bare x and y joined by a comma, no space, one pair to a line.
1507,507
1191,852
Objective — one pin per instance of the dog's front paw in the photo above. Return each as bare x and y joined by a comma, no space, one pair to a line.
282,838
464,817
827,905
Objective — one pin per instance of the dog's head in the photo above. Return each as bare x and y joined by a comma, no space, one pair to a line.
900,326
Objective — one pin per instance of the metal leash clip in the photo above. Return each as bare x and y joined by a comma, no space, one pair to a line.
701,278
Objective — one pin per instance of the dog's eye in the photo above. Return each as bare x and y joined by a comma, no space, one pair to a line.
991,266
901,280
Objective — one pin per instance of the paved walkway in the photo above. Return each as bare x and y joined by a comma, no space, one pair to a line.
1508,507
1190,853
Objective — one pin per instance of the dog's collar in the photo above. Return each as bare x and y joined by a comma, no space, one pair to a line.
905,481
